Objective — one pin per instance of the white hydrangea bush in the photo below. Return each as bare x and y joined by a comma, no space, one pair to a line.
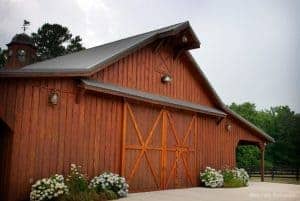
110,181
243,175
48,188
212,178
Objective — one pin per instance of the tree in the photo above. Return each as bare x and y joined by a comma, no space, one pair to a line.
54,40
75,45
284,130
279,122
2,57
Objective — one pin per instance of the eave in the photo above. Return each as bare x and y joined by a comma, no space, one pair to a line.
96,86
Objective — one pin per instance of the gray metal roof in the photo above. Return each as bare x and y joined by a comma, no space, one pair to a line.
149,97
85,61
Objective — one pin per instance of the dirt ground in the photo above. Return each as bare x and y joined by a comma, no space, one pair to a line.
258,191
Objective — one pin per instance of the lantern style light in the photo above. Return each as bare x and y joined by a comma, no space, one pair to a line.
184,39
53,98
228,127
166,79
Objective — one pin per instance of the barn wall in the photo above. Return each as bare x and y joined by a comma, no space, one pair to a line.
143,70
216,145
47,139
7,118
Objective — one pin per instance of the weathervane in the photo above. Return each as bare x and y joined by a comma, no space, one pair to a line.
25,25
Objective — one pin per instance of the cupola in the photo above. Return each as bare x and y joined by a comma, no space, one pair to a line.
21,51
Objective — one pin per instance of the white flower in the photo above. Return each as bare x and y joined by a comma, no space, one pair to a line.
212,178
48,188
112,182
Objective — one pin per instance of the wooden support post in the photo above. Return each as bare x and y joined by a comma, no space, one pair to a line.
262,162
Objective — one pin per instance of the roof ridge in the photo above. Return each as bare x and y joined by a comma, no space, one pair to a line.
119,40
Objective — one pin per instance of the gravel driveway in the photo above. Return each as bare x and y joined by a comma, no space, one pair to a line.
258,191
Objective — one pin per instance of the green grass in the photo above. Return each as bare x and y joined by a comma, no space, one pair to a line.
277,180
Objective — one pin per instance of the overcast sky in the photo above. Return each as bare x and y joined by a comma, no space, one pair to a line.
250,50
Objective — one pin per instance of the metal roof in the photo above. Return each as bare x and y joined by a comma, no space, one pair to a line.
87,62
84,62
95,85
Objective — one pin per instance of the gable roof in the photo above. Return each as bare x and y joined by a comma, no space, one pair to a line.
86,62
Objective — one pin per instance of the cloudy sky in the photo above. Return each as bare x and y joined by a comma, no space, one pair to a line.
250,50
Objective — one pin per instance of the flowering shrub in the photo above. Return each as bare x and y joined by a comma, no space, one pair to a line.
242,173
110,181
76,187
235,177
212,178
48,188
76,181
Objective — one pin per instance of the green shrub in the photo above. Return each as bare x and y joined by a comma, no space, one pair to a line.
78,186
110,181
211,178
76,181
235,177
84,196
110,195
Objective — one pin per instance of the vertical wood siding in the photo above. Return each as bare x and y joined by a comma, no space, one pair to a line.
47,139
143,70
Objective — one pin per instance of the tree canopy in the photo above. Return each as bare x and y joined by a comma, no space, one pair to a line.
54,40
282,124
2,57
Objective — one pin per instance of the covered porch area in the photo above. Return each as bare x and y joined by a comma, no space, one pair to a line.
261,147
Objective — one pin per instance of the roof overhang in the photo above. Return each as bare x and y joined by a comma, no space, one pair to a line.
82,64
97,86
225,108
47,69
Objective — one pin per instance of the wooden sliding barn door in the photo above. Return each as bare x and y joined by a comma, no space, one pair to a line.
158,148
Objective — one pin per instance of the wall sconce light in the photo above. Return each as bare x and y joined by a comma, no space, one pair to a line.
184,39
166,79
228,127
53,98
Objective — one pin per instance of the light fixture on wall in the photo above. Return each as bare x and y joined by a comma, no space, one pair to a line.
184,39
166,78
53,98
228,127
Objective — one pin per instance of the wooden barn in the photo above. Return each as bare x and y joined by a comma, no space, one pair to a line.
140,107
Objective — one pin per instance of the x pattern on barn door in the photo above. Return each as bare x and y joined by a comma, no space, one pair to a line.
158,149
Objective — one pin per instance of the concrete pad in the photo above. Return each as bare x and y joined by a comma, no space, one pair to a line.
258,191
